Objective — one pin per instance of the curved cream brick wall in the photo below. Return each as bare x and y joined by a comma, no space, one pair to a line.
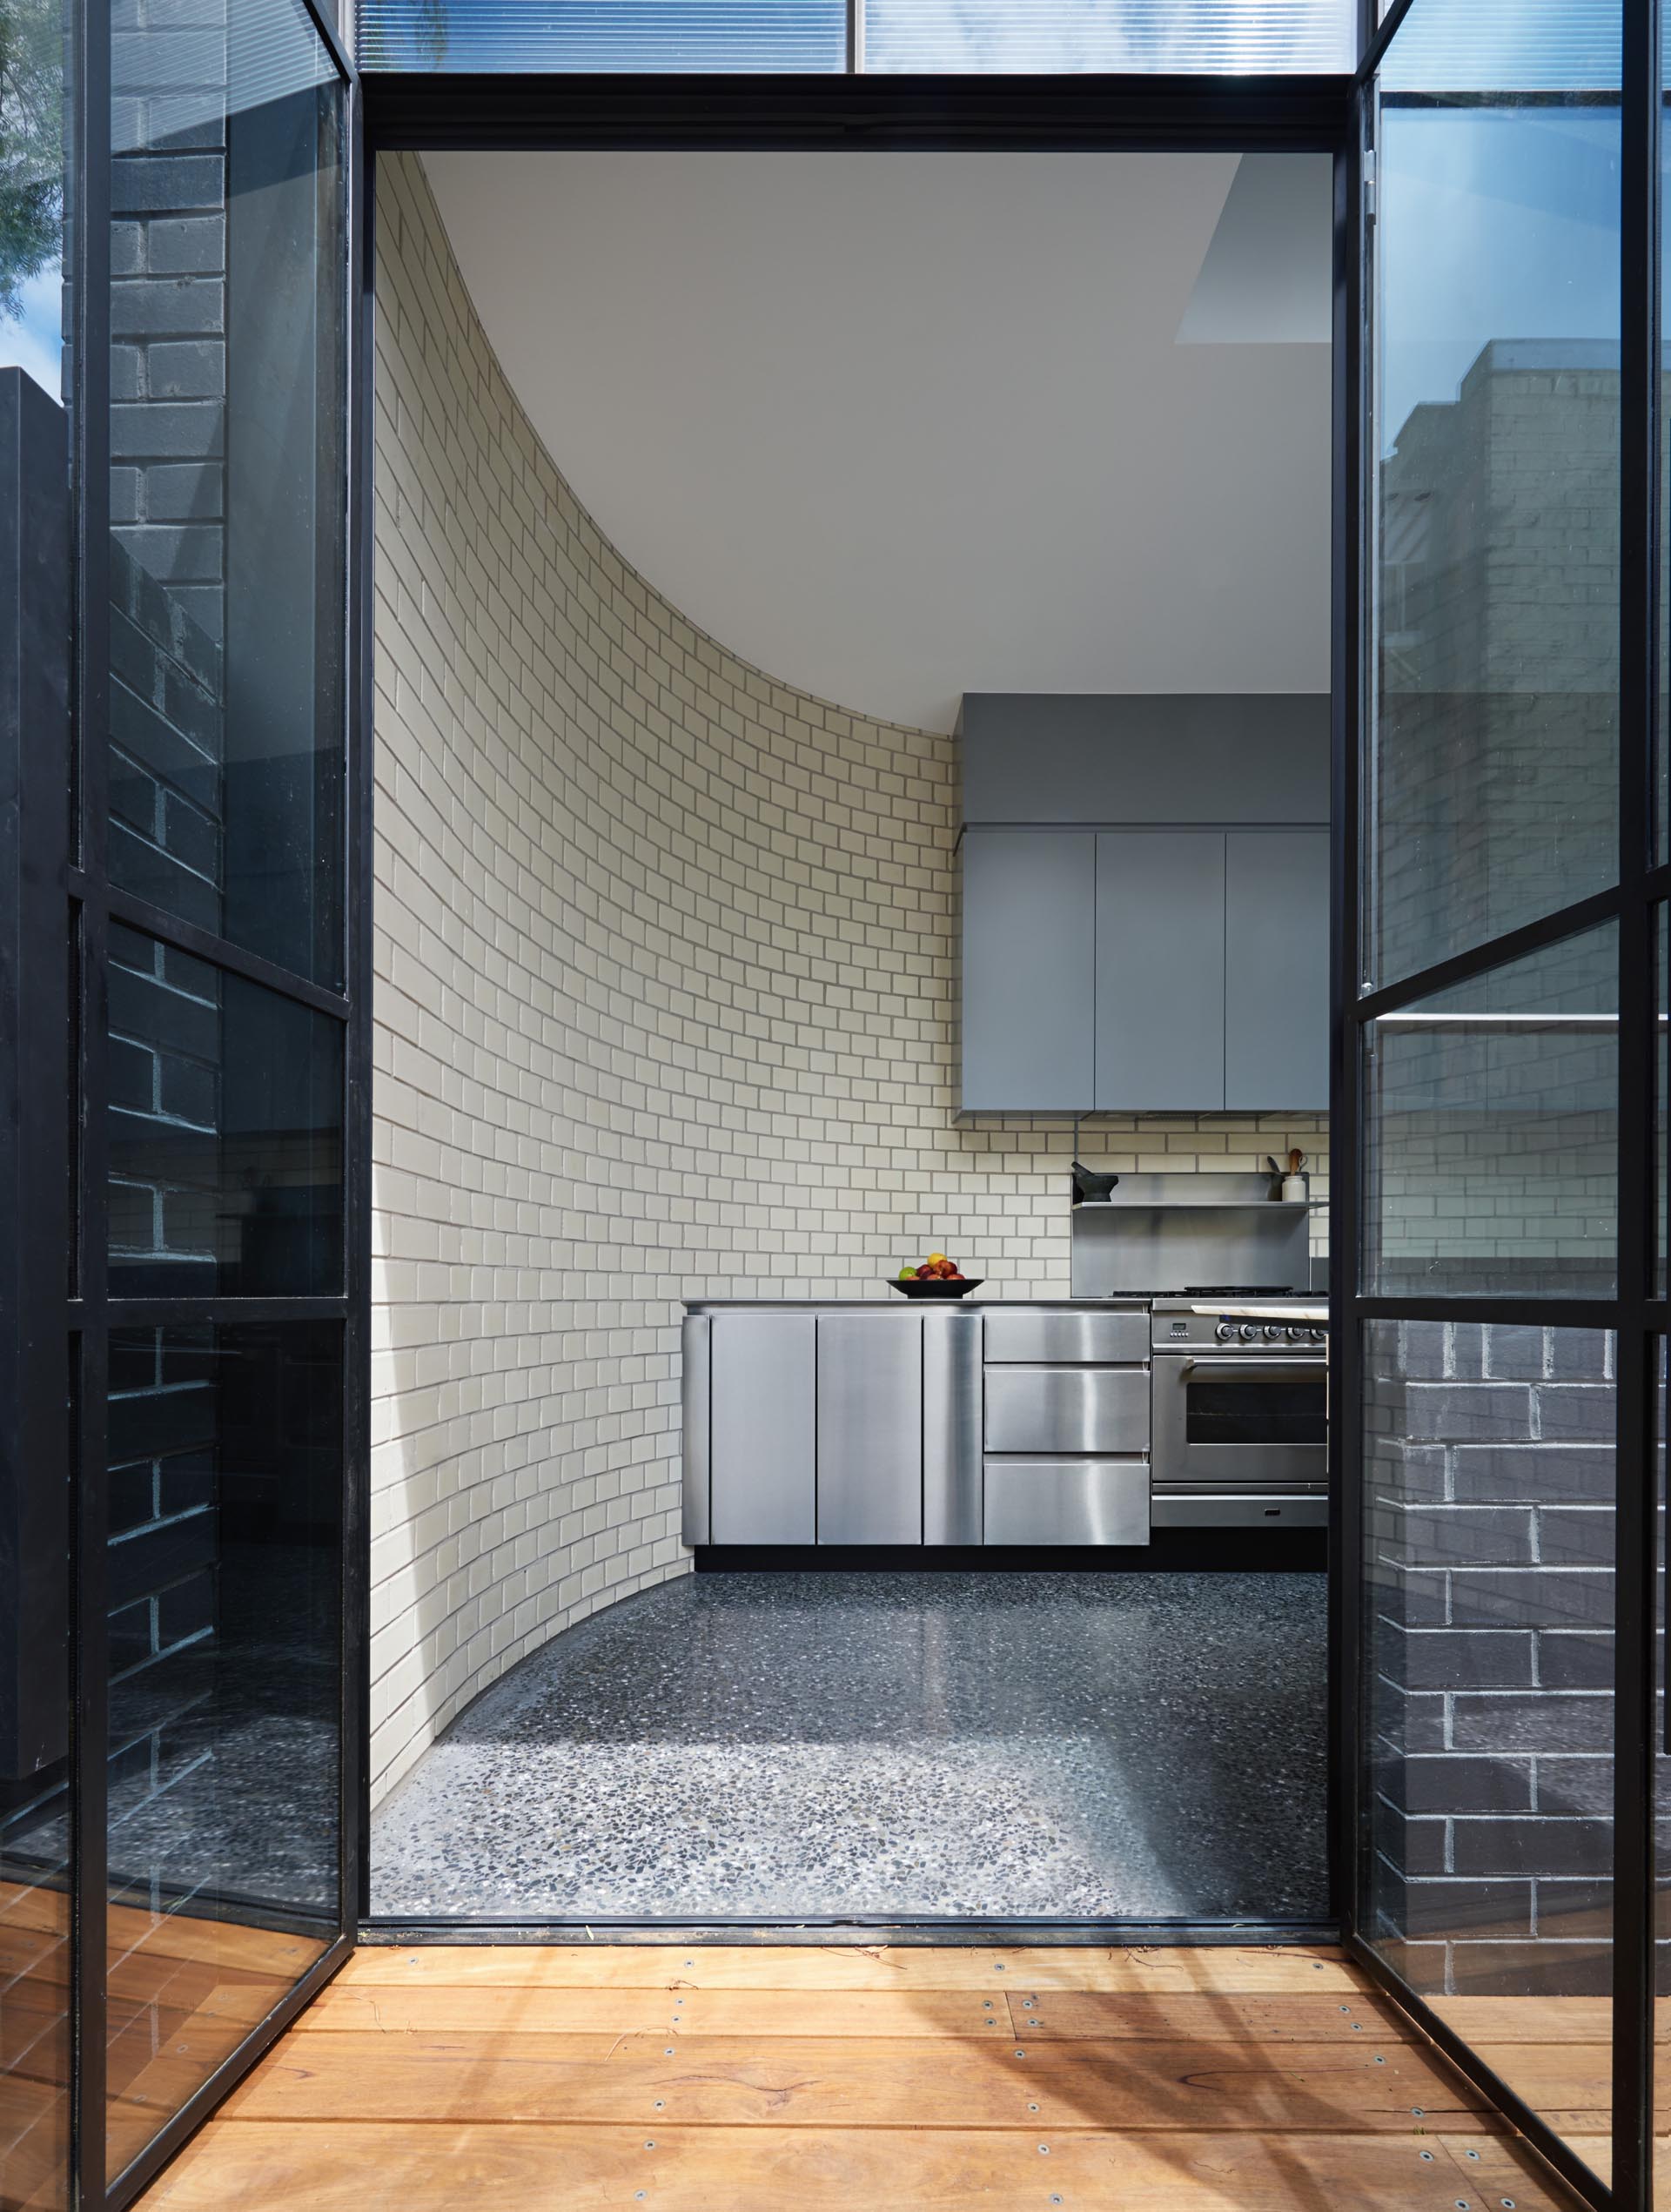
666,974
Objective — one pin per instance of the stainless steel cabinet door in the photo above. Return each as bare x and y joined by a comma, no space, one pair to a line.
870,1429
1160,970
762,1429
1029,918
952,1427
1276,969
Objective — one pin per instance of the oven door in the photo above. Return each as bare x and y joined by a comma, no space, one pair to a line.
1227,1423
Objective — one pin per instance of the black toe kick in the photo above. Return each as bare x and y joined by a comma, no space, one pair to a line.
1170,1550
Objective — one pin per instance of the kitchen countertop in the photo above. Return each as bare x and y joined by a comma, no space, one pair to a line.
901,1304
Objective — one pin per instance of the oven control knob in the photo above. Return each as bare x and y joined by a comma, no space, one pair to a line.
1297,1337
1316,1335
1225,1332
1273,1332
1250,1335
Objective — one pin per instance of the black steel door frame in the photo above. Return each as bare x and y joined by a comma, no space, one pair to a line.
1637,1315
72,1037
856,113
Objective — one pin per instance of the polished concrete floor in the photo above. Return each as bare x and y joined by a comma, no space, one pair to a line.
1144,1745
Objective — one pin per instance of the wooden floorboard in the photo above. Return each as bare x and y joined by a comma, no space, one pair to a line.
801,2079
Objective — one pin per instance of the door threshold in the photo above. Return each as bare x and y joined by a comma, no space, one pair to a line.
853,1929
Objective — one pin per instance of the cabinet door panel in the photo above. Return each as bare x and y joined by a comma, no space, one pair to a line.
1160,969
870,1429
761,1428
1277,972
1029,927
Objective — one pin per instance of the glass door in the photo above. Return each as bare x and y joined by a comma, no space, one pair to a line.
1495,1330
181,1857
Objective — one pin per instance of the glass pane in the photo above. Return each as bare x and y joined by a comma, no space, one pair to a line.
33,45
226,1520
1493,693
225,1133
1059,38
1491,1128
1488,1614
687,36
36,2022
227,483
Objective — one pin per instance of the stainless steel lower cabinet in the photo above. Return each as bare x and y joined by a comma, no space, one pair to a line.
869,1428
1067,1500
1057,1409
762,1446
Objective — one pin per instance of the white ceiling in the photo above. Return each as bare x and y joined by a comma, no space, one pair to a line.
893,427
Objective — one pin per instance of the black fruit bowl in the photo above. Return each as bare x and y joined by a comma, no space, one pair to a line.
937,1286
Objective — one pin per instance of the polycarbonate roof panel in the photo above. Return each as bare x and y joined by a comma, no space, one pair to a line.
692,37
1045,38
1074,38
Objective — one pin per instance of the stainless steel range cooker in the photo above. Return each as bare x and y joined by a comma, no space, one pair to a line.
1239,1414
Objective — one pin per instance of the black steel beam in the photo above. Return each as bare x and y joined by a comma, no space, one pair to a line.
421,111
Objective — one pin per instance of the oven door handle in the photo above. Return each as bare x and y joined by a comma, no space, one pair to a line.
1265,1370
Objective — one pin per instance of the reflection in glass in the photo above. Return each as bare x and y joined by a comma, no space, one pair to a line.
226,483
33,36
35,1864
1494,694
226,1452
1491,1130
226,1131
692,37
1061,37
1488,1489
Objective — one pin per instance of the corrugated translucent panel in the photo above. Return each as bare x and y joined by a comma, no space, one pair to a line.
166,89
692,37
1069,38
1506,46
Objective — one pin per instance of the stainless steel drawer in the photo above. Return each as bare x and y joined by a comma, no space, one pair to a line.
1067,1500
1067,1408
1075,1339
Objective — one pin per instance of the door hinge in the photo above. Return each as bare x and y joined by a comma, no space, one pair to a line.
1369,183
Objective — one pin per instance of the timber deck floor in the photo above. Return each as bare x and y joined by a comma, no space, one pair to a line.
792,2079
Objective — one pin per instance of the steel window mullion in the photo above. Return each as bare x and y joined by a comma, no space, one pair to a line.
91,355
359,880
1636,1551
204,945
1346,715
1495,952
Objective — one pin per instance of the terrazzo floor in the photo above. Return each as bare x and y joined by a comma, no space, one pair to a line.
1146,1746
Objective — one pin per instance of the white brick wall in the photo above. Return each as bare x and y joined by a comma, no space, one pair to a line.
665,1008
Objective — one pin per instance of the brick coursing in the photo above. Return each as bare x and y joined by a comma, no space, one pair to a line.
666,962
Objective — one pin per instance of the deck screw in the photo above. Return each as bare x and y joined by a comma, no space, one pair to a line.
1379,2060
1416,2111
650,2144
659,2103
1055,2199
667,2053
1427,2158
1472,2154
987,2001
1027,2003
1021,2054
1043,2150
1032,2107
1507,2202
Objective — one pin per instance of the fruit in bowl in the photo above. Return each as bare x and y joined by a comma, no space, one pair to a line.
936,1269
935,1277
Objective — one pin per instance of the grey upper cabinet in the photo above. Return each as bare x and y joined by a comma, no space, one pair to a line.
1276,969
1160,969
1030,926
